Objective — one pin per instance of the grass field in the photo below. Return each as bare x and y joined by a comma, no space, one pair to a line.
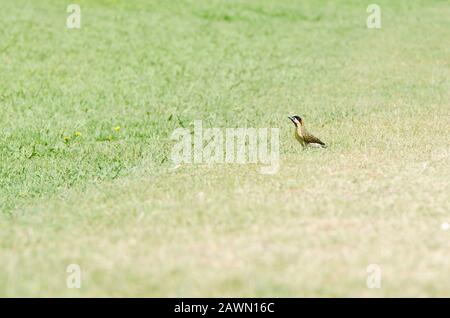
77,189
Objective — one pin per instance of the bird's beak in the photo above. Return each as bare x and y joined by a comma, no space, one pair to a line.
292,119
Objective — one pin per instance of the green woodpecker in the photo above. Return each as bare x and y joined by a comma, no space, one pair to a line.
303,136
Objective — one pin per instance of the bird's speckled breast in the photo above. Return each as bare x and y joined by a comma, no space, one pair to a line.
298,136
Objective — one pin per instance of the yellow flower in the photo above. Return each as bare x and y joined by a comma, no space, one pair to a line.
117,128
77,134
66,138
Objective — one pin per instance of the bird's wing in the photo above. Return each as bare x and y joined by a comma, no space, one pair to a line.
310,139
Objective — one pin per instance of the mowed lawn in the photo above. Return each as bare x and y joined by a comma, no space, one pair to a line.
85,170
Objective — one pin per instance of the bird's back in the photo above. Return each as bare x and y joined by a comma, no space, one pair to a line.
310,139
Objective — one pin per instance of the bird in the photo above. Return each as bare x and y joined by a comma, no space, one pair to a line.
303,136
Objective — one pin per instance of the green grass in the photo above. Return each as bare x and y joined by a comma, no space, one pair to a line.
109,201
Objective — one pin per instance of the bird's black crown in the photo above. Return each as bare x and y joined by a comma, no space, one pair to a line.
296,119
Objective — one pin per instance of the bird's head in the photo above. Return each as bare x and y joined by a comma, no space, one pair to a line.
297,120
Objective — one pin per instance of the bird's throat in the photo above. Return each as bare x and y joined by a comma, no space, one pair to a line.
300,131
